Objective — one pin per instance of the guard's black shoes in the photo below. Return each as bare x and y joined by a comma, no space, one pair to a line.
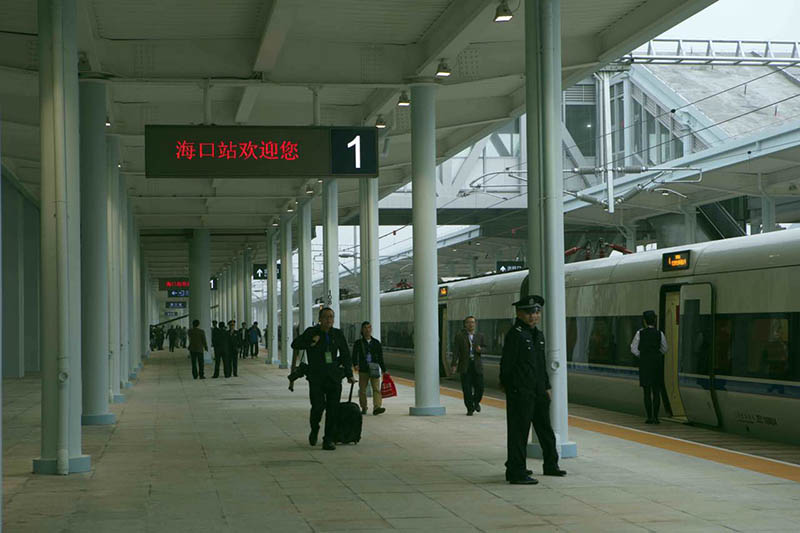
327,445
527,480
379,410
477,408
469,413
527,473
649,421
557,472
312,437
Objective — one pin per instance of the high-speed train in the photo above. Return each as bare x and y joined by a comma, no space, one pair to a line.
730,311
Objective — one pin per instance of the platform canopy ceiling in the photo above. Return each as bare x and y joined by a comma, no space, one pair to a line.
259,61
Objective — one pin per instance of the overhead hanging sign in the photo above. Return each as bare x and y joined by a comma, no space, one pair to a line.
176,305
213,282
172,283
509,266
260,151
259,271
170,313
177,293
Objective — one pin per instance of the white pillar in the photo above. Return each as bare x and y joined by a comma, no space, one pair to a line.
370,265
131,281
247,287
272,295
199,290
304,257
14,278
31,279
690,224
287,289
113,259
60,216
124,304
543,35
423,215
330,245
768,218
629,131
94,255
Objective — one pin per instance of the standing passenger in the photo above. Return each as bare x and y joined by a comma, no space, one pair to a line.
523,376
254,336
216,343
368,360
197,345
328,362
649,345
467,360
233,348
172,335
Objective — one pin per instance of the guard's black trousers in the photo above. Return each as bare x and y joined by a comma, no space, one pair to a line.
197,363
324,395
472,386
254,349
652,401
217,361
522,410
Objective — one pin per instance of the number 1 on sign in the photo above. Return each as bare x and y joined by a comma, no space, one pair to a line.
356,142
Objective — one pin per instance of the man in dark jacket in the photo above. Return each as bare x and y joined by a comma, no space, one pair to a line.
368,360
523,376
328,362
467,361
172,335
254,337
216,343
197,345
232,347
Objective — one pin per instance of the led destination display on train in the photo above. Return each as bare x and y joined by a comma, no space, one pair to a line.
675,261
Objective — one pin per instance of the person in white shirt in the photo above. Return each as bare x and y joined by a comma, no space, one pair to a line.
649,345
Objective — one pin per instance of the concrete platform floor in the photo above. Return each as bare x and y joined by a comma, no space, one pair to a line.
232,455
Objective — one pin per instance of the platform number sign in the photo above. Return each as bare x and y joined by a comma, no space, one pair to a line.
354,151
213,282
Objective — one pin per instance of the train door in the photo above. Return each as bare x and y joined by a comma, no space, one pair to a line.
444,367
695,348
670,314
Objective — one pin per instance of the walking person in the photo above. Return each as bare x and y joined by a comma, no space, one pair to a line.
216,343
232,348
328,362
172,335
368,361
469,344
649,345
197,345
244,341
254,337
523,377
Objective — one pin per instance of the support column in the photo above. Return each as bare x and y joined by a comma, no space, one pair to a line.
94,255
236,292
13,282
32,262
690,224
124,303
543,92
144,301
113,257
200,292
370,265
627,111
247,287
768,223
304,252
60,216
423,215
330,247
132,276
228,289
287,304
272,295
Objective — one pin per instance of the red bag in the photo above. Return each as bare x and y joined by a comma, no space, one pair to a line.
388,388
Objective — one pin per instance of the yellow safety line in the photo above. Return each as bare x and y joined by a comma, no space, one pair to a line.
762,465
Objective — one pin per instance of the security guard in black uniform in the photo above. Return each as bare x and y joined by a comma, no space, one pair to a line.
523,375
328,362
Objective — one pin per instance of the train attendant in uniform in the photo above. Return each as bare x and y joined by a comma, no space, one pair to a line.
368,359
649,345
523,376
328,362
467,360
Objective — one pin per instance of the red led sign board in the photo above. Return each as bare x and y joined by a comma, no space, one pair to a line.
172,283
259,151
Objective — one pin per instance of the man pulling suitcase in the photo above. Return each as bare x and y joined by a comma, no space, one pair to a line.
328,362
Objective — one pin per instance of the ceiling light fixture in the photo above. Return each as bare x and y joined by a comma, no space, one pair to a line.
108,123
442,71
380,123
309,190
503,13
119,165
290,207
274,222
403,101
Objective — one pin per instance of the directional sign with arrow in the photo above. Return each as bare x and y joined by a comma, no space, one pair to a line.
259,271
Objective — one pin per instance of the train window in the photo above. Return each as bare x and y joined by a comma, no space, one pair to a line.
601,340
765,345
695,339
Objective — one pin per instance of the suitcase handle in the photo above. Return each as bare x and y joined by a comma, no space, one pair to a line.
350,399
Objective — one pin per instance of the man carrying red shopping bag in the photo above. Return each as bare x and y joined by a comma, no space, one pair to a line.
388,388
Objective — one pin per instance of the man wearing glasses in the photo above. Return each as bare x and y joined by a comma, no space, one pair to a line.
523,376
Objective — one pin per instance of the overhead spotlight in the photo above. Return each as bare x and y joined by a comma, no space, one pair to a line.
442,71
290,207
309,190
108,123
503,13
380,123
477,244
665,193
319,180
119,165
274,222
403,101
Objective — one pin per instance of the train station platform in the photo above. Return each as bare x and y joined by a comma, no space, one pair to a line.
232,455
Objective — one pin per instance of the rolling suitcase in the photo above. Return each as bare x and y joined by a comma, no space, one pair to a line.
348,421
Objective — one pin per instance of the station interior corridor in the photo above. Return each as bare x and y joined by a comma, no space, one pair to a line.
232,455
